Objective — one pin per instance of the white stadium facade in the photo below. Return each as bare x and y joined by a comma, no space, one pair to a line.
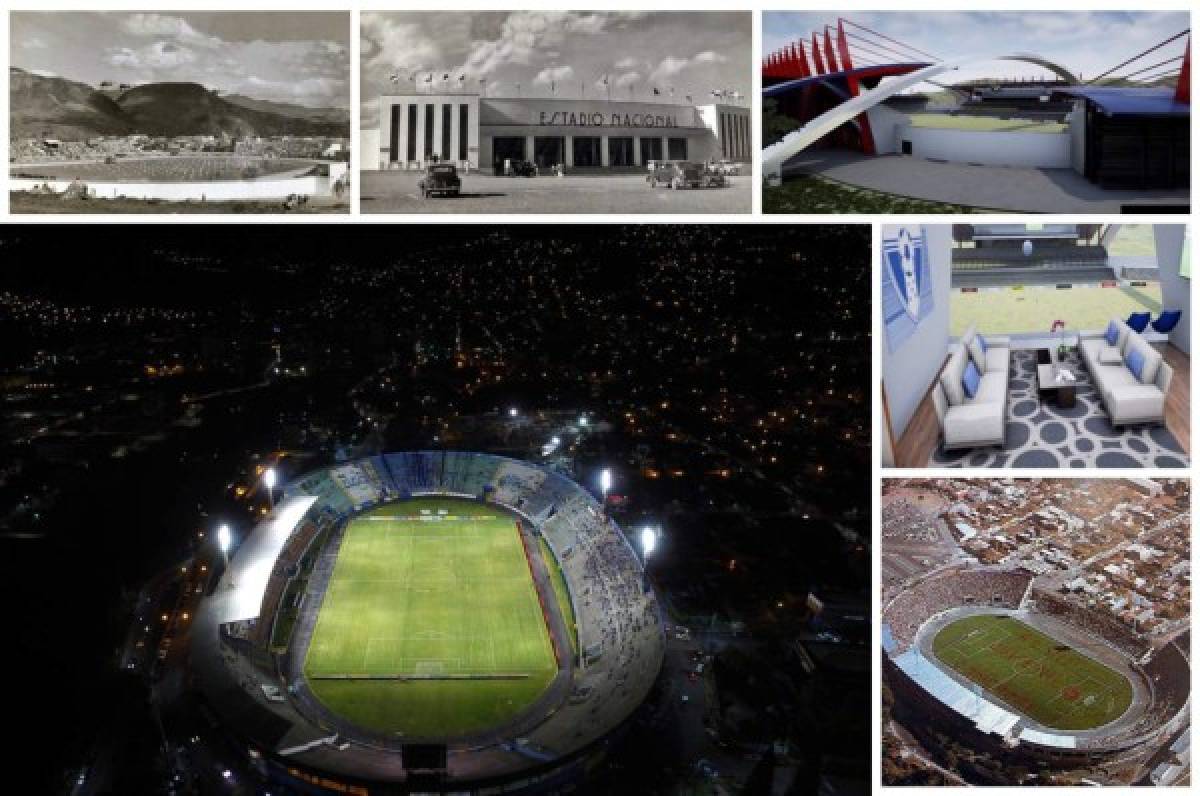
477,132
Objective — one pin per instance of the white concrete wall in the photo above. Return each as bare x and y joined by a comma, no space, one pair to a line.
884,121
1176,290
1029,150
909,371
222,190
736,129
368,145
421,101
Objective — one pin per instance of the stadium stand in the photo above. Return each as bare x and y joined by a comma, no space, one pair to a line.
1097,623
952,589
929,691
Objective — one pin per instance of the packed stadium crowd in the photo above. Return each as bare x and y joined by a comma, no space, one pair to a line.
1095,622
952,589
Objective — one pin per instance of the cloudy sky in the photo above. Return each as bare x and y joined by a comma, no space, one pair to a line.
302,58
1090,43
693,53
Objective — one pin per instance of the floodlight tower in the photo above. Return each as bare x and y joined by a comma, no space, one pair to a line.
269,482
605,485
649,542
224,538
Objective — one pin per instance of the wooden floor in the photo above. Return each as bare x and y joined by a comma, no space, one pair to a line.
919,440
1179,397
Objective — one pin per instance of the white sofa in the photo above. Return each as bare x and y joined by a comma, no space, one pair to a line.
973,422
1127,398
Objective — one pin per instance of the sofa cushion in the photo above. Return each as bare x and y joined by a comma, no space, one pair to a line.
977,354
951,377
1135,360
993,388
996,359
970,380
1109,356
1112,332
1151,360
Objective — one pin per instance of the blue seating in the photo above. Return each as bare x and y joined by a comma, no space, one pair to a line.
1138,321
1166,322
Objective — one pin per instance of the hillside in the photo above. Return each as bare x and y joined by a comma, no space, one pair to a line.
324,115
55,107
58,108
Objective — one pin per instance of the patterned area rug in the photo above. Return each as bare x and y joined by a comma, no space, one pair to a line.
1040,434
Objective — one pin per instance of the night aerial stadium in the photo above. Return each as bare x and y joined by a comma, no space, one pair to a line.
474,509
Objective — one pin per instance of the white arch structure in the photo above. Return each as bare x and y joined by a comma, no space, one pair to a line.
774,156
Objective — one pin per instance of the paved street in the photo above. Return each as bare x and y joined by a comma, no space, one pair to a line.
396,192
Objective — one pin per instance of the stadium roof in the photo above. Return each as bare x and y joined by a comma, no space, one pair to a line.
1130,101
861,72
250,567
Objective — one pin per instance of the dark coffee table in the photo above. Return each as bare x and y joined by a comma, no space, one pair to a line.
1063,392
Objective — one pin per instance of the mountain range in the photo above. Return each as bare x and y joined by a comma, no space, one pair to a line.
54,107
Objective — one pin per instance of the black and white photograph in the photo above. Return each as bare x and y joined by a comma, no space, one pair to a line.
179,112
556,112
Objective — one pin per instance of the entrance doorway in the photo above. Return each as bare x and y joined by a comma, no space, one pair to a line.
507,148
548,152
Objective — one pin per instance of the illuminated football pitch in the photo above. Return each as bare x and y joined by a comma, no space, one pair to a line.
431,625
1048,681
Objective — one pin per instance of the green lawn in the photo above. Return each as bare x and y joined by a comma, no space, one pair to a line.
438,589
1032,673
806,193
1133,240
560,592
1034,308
990,124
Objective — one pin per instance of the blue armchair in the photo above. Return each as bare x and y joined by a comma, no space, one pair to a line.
1138,321
1166,322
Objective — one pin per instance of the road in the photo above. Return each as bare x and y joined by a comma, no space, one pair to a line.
396,192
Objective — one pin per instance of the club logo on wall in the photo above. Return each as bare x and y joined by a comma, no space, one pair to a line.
907,292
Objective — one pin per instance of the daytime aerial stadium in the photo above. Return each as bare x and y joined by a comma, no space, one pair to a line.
428,620
944,113
1036,632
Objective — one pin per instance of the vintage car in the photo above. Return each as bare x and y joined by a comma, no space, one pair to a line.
680,174
727,167
523,168
440,178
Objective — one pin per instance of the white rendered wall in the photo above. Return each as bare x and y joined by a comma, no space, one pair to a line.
220,190
1024,150
909,371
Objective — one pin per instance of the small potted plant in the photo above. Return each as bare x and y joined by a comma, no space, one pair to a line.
1060,326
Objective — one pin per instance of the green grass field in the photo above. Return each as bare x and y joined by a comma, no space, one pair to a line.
560,592
1032,673
984,124
1035,308
438,589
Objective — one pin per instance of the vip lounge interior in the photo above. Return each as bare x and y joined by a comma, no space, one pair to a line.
1036,345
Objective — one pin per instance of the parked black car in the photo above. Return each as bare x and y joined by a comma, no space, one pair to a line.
440,178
